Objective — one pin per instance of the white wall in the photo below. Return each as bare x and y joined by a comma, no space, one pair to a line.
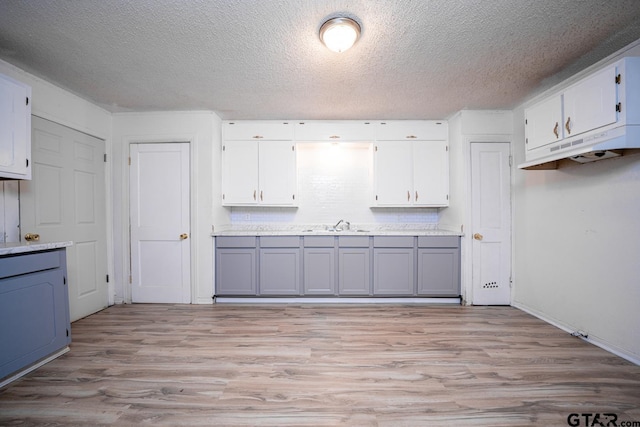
202,130
577,245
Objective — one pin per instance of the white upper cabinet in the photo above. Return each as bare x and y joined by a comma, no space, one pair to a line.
543,123
591,103
333,131
410,130
15,129
258,164
411,164
592,111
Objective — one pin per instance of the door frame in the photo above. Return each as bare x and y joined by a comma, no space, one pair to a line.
126,209
466,249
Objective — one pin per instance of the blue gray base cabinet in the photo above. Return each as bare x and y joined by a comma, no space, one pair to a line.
34,308
338,266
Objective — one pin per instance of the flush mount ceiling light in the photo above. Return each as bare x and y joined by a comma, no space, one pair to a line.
339,34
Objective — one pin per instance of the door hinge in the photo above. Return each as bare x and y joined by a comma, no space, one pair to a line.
294,197
619,79
67,332
107,278
619,107
526,122
223,197
64,280
376,197
129,161
27,101
447,148
293,148
105,157
376,148
224,147
447,197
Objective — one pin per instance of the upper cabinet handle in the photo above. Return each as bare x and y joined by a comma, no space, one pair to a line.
411,137
555,130
254,194
408,195
334,137
567,125
257,137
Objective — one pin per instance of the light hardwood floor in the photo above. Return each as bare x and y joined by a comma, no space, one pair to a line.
283,365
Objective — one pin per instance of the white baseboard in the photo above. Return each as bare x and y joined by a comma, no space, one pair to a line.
590,339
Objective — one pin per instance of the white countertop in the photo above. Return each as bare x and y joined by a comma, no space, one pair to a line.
20,248
364,230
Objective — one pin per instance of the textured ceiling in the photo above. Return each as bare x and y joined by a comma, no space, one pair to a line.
262,59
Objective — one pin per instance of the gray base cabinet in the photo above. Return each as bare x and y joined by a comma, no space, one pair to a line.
439,266
34,308
319,261
349,266
236,266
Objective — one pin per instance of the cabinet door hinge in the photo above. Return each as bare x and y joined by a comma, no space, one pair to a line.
447,148
105,157
222,196
618,79
526,122
129,161
130,280
107,278
224,147
64,280
510,161
447,197
619,107
376,197
294,197
27,161
27,101
67,332
376,148
293,148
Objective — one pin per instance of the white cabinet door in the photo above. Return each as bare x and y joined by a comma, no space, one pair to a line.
259,130
413,130
393,173
277,173
240,173
15,129
591,103
334,131
543,123
430,173
411,173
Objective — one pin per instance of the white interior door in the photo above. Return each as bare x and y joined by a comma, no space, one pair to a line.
491,223
159,215
65,201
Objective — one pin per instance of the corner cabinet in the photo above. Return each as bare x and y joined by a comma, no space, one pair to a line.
15,129
411,164
34,309
258,164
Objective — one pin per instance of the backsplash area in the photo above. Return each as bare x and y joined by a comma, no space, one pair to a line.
334,182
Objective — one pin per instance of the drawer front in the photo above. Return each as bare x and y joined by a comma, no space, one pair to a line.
438,241
412,130
353,241
334,131
15,265
236,241
393,241
318,241
280,241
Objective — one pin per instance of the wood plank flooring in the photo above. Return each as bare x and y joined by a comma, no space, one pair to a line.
356,365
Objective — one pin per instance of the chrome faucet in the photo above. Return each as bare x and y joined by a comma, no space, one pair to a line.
346,225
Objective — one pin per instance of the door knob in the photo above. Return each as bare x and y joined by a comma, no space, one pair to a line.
31,237
478,236
184,236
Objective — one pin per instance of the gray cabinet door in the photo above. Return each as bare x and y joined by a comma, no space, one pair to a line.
280,271
393,271
319,271
353,271
236,271
439,272
34,309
